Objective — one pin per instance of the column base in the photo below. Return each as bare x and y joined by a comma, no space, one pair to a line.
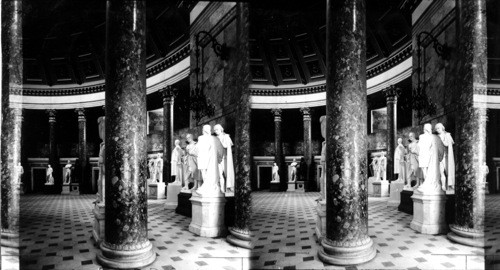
339,255
126,259
173,191
395,193
429,213
291,186
381,188
156,191
473,238
98,230
9,239
240,238
207,215
320,220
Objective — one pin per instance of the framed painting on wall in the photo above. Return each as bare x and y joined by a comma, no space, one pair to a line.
378,120
155,121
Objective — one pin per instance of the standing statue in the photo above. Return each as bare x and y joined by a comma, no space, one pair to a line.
376,167
177,156
67,173
322,161
447,165
431,152
49,178
293,172
412,157
192,173
484,173
276,175
151,167
399,161
210,155
382,165
226,167
101,161
19,171
159,168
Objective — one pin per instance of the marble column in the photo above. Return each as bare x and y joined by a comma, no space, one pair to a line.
471,83
168,94
85,185
53,144
347,241
278,148
12,71
126,243
240,233
391,94
306,117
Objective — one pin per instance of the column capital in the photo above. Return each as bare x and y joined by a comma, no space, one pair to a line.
392,93
277,114
306,113
52,115
168,93
81,114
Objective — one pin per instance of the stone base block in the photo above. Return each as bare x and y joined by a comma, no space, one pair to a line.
429,213
291,186
75,189
126,259
468,237
395,193
381,188
184,204
406,205
156,191
240,238
337,255
300,186
208,216
320,220
66,189
98,230
173,191
275,187
9,239
370,185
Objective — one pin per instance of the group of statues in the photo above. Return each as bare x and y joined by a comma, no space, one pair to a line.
428,161
67,171
379,165
156,169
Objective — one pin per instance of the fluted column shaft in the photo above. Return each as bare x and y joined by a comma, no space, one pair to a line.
306,117
278,148
168,94
391,94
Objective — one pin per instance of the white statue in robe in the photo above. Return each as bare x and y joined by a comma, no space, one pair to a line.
431,152
100,181
192,174
67,173
49,177
447,165
322,161
376,167
413,169
226,167
382,166
399,161
151,167
19,171
159,168
210,154
293,172
177,168
276,175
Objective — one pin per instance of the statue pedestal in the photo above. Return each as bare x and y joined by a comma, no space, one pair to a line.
370,185
156,191
184,204
291,186
395,193
173,190
65,189
208,215
320,220
75,188
98,230
381,188
406,204
300,186
275,187
429,212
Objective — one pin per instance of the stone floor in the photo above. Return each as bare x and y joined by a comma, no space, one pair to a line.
284,224
56,234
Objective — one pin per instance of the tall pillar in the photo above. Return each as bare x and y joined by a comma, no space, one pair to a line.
12,70
391,94
52,140
468,226
168,94
82,150
347,241
278,148
126,243
240,233
306,117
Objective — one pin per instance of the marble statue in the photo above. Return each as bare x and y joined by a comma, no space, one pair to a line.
49,178
210,154
67,173
293,172
412,158
226,167
276,175
192,174
322,161
400,161
177,168
382,166
158,168
447,165
151,167
484,170
431,152
376,167
19,171
101,161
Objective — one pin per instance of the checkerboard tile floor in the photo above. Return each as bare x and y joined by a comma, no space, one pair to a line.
284,227
56,234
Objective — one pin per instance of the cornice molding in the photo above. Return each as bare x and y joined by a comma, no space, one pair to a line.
391,61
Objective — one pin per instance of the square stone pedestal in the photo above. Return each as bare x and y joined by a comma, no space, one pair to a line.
184,204
98,230
429,213
300,186
381,188
208,215
275,187
156,191
370,185
320,220
291,186
395,193
173,190
66,189
75,188
406,204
